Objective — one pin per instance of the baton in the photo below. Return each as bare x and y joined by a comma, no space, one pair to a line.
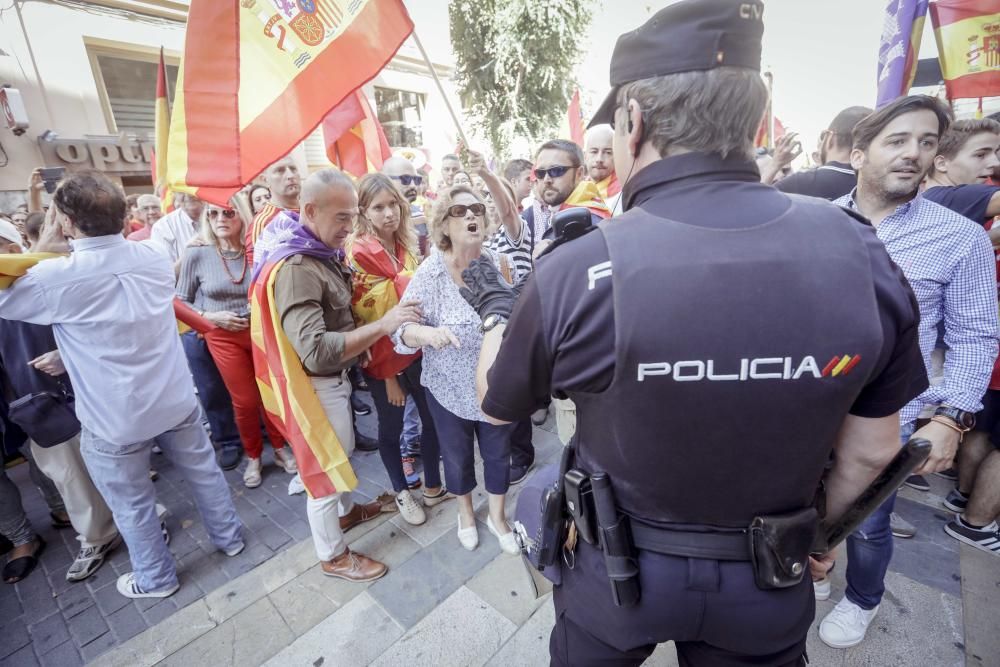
909,458
616,543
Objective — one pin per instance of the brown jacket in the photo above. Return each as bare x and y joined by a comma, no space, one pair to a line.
313,300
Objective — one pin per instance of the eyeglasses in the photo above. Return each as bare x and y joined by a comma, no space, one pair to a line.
554,172
406,179
227,213
459,210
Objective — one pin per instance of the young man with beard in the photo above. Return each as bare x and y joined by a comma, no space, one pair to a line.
949,264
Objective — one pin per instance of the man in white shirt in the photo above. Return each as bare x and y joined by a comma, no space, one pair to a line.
176,229
110,304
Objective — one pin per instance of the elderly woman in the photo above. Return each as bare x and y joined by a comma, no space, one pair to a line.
382,255
215,279
450,338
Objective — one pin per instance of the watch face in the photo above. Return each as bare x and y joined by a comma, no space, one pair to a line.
967,419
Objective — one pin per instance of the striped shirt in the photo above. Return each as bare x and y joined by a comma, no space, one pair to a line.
948,260
518,250
204,283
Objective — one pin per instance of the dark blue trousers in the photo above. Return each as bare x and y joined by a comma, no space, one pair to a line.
457,438
212,393
711,609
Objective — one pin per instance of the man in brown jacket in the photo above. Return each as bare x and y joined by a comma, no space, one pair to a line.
312,296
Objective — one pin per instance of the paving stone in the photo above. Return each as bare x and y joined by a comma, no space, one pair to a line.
159,612
127,622
302,604
188,592
64,655
529,646
299,530
10,606
273,537
55,558
980,600
252,636
37,598
48,633
200,567
466,563
13,635
98,647
109,600
463,630
338,641
148,648
87,626
507,586
931,557
441,519
182,544
57,580
75,600
102,578
23,657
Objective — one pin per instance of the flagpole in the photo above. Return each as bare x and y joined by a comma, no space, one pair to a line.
770,109
454,117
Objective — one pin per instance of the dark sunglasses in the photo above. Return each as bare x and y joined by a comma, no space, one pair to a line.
406,179
459,210
554,172
227,213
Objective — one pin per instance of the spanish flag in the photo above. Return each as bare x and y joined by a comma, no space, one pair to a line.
609,187
573,127
289,397
354,138
161,123
257,77
968,41
586,195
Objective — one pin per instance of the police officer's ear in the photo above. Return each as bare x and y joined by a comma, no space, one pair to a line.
634,127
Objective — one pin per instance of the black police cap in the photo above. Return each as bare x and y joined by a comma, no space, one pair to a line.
689,36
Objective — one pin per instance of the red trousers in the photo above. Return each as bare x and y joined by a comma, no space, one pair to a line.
233,355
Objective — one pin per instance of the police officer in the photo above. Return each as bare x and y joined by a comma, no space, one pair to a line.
720,339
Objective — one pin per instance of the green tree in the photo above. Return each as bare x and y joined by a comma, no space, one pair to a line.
515,63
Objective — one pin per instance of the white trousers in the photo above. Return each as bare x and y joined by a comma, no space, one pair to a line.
324,514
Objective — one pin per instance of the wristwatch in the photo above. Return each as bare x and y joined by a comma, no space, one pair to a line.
966,421
492,321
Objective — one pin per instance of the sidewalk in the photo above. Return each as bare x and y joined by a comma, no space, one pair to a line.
442,605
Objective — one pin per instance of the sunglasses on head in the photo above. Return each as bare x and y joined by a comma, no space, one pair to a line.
227,213
459,210
554,172
406,179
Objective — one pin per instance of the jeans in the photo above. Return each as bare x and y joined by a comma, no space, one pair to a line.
411,423
121,474
869,550
390,424
212,392
458,437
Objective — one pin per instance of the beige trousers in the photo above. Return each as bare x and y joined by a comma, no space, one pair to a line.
324,514
87,510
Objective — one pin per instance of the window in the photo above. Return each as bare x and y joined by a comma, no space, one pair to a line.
130,84
400,113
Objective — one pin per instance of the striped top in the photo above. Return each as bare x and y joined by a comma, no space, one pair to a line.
204,283
517,250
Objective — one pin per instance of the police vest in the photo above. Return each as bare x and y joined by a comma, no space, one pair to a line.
738,354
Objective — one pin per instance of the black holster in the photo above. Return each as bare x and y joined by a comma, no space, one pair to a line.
616,542
780,546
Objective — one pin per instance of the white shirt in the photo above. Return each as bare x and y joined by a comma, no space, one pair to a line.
110,304
173,232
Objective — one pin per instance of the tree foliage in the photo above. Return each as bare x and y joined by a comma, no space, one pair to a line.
515,61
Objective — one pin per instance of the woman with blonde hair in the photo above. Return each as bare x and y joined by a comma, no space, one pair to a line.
382,255
450,336
215,279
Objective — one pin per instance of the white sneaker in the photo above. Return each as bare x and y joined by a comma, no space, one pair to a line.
409,508
251,476
236,550
821,589
469,537
127,586
508,543
846,624
284,458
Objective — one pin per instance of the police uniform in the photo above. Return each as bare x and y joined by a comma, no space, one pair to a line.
713,338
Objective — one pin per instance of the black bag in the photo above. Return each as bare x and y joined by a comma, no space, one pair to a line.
780,546
46,416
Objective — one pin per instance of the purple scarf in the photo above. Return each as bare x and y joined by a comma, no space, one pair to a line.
284,237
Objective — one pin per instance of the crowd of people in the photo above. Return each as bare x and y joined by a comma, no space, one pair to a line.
204,330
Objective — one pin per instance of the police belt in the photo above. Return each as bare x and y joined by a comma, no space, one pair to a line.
731,545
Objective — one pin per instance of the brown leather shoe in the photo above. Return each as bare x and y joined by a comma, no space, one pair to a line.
353,566
360,514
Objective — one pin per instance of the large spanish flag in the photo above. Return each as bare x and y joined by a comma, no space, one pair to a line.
968,40
288,395
258,76
354,138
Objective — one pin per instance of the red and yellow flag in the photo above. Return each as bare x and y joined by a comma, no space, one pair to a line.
354,138
968,41
258,76
161,123
573,127
289,397
585,194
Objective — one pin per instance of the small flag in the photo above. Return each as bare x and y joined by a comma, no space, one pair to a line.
257,77
968,41
354,138
573,127
897,54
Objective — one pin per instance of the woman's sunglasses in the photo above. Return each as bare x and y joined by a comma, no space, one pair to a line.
459,210
227,213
